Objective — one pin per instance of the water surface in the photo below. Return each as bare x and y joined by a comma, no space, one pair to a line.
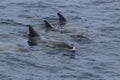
95,60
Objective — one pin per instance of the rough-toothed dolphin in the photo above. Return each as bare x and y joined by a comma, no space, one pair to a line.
34,39
74,33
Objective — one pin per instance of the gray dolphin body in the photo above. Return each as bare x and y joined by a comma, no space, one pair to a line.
74,32
34,39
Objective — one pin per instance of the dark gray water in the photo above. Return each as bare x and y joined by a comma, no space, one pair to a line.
98,59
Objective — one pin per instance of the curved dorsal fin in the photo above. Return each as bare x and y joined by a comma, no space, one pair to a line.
62,19
32,32
48,25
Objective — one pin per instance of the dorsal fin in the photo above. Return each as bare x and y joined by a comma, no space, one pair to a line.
32,32
32,40
62,19
48,25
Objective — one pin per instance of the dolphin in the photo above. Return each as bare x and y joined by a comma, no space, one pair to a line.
74,33
34,39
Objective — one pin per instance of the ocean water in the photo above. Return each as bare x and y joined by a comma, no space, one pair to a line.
98,59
